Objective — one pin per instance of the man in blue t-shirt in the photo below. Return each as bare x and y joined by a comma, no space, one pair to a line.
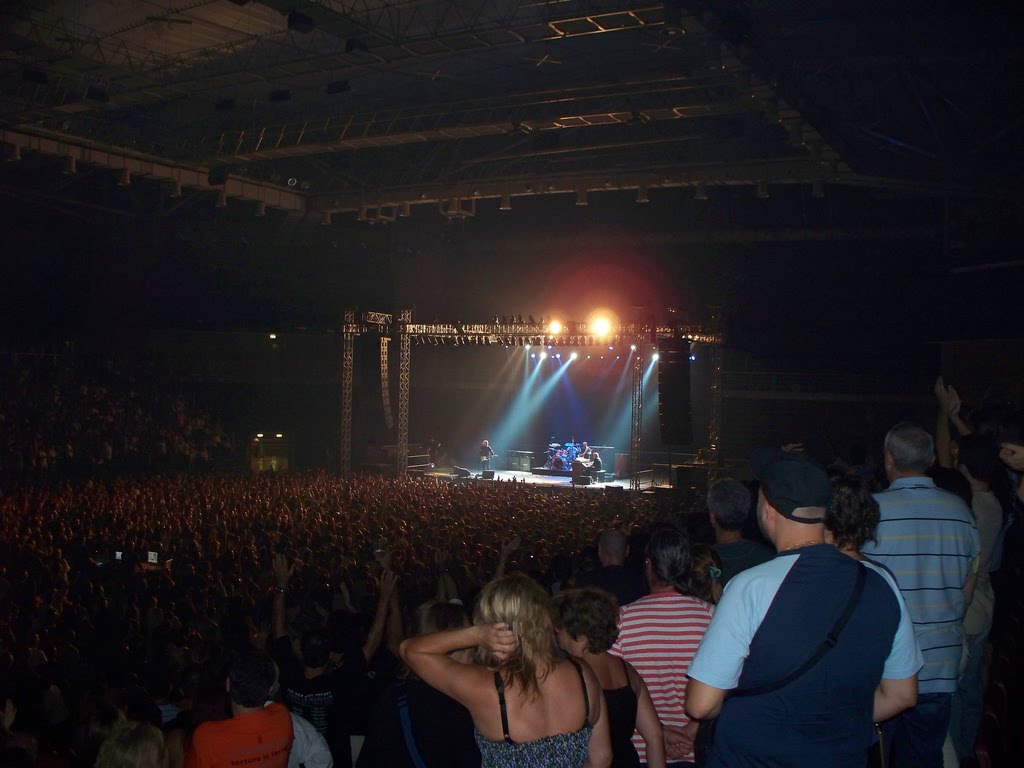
771,620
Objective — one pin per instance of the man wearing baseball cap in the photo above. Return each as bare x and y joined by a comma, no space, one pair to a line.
805,651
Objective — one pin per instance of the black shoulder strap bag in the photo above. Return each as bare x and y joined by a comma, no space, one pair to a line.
706,730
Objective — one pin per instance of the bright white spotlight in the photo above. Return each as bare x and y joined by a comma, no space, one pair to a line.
610,347
533,354
555,327
654,356
543,355
633,347
693,358
601,327
559,355
573,356
527,346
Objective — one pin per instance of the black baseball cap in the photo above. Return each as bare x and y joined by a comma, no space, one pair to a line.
790,481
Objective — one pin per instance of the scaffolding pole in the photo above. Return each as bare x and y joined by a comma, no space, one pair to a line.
348,343
404,367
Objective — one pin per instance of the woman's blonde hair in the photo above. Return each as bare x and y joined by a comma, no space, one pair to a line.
132,745
522,603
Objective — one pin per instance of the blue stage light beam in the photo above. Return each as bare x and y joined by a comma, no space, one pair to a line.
513,430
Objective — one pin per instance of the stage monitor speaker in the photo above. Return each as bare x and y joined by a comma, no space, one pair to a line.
487,474
461,471
674,392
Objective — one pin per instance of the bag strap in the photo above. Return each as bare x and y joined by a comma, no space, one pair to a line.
826,645
403,715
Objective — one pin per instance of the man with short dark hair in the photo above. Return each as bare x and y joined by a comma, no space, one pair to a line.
729,508
613,575
831,630
928,538
257,734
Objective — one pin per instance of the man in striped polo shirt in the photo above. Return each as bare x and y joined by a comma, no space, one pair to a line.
928,540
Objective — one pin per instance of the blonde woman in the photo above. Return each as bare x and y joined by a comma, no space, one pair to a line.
529,707
133,745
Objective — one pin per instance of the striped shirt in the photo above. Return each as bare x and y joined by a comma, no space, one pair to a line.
659,635
928,540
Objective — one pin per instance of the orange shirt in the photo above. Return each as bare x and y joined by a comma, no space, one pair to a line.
258,740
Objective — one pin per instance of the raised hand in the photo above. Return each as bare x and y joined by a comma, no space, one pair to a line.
510,546
1013,455
388,582
282,570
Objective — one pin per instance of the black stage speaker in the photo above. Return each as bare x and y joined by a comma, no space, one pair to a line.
487,474
461,471
674,392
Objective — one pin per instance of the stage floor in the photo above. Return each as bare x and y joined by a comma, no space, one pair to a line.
532,479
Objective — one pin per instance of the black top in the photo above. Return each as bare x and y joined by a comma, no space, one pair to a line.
441,727
621,704
321,700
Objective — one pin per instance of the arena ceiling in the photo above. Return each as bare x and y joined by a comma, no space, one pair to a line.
320,106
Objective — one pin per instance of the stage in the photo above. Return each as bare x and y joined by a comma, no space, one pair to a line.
529,478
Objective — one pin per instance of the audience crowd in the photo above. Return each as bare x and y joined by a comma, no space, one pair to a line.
60,417
178,619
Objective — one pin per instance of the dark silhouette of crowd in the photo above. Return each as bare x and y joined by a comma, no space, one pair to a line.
63,416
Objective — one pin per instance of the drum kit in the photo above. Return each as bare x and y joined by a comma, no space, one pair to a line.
561,455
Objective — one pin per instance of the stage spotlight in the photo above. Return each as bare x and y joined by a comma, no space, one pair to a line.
555,327
549,346
573,356
527,346
631,346
543,355
610,347
533,354
654,356
693,358
601,327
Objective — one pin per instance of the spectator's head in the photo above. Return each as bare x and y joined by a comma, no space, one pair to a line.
909,451
668,559
949,479
438,616
612,547
706,574
793,497
729,504
978,459
133,745
316,649
251,677
522,604
853,515
586,620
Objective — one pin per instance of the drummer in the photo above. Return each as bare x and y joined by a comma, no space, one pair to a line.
584,451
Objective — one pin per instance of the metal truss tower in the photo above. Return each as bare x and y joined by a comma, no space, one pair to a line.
404,366
348,342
